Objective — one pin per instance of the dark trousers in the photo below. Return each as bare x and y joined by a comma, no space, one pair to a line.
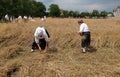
42,44
86,40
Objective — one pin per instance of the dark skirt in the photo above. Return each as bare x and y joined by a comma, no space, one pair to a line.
86,40
42,44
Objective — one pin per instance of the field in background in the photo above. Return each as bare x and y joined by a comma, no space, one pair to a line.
64,58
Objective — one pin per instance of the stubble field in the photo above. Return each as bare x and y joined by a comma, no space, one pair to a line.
64,57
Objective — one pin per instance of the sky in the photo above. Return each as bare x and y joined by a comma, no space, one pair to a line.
83,5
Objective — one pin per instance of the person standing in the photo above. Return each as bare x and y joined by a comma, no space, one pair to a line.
41,36
19,19
6,18
25,18
84,32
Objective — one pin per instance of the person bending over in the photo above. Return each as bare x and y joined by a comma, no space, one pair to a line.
41,36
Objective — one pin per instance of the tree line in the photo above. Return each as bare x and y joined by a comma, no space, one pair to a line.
38,9
22,7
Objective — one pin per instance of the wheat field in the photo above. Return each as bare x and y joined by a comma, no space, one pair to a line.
64,57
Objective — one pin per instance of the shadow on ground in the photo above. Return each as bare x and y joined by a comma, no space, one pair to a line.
92,49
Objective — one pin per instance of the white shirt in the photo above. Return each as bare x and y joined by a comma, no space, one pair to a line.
20,17
84,28
39,32
6,17
25,17
44,17
45,34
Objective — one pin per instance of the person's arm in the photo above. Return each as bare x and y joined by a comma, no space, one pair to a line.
80,33
47,33
37,42
47,46
39,46
47,43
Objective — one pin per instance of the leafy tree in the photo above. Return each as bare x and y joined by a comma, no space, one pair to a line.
95,13
40,9
103,14
71,13
33,8
22,7
54,10
76,14
84,14
65,13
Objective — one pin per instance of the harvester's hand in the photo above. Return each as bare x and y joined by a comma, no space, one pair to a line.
39,49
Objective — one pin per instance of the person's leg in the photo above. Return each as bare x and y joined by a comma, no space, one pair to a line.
83,43
88,40
34,46
42,43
